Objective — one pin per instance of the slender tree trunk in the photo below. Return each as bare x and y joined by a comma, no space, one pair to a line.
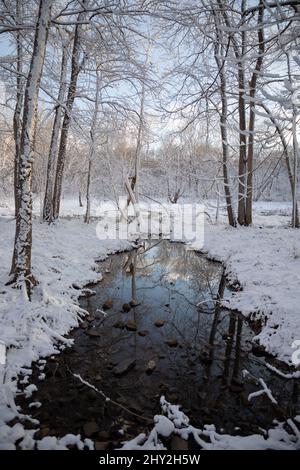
242,146
47,206
17,122
18,108
21,264
295,211
223,127
239,55
88,194
75,70
80,198
295,222
92,149
137,162
139,141
252,85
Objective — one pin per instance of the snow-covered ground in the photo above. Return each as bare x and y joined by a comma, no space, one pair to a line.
174,422
63,257
266,262
265,259
265,212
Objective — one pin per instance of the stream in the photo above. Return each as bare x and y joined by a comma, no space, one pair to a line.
155,327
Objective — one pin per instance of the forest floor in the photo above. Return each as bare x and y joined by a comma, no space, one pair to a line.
264,259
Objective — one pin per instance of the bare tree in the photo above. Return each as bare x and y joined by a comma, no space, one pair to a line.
76,67
47,206
220,60
19,103
21,264
251,126
92,151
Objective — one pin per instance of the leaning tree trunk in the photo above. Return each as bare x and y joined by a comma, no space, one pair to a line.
295,211
21,265
252,85
47,207
75,69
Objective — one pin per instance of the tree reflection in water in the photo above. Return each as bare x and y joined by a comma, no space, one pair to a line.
172,286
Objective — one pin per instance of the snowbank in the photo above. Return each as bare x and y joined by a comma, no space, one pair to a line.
285,436
63,262
266,262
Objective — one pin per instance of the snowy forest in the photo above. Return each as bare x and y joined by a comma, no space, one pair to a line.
176,123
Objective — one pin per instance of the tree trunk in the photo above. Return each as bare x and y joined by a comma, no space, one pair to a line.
295,222
17,122
88,195
47,206
295,211
137,162
75,69
242,147
18,108
80,198
252,85
242,113
21,265
139,141
223,127
92,149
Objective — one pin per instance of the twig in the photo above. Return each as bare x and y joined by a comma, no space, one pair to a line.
107,399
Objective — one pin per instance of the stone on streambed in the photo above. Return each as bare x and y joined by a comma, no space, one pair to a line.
143,333
150,366
108,304
94,333
124,366
90,318
119,324
159,323
131,325
172,343
126,308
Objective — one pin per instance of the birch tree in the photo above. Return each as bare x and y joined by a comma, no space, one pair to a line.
21,265
19,103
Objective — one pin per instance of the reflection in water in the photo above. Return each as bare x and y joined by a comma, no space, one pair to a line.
197,351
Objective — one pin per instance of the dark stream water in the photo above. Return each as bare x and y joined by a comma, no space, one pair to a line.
176,341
